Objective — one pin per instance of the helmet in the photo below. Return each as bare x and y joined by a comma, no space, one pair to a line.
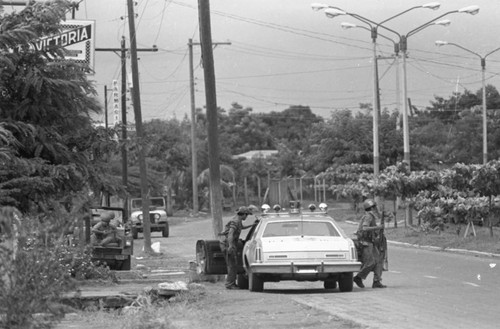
312,207
277,207
253,208
265,208
368,204
243,211
323,206
107,216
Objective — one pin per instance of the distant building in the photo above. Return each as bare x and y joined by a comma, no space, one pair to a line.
256,154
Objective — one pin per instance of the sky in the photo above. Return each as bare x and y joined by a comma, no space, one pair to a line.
282,53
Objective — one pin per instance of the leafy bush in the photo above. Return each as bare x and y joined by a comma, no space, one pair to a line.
37,268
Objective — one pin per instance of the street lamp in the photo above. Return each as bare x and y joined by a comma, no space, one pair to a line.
404,48
332,12
483,79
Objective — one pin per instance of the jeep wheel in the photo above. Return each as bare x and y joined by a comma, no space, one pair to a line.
345,282
126,264
165,231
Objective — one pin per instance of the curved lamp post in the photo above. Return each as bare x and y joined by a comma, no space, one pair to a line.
483,79
332,12
472,10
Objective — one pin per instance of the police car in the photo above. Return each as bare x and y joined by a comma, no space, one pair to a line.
297,245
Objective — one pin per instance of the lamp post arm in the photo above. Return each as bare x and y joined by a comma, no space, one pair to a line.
372,24
491,52
397,15
387,38
467,50
423,26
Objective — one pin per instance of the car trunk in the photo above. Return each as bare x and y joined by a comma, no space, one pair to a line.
309,249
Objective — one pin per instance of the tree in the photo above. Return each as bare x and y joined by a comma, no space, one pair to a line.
46,104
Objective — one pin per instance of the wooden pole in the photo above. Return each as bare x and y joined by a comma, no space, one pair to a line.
194,161
211,104
139,130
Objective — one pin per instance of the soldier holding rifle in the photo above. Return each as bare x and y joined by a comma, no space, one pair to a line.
373,245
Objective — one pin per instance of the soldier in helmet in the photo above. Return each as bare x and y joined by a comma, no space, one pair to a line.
370,236
229,242
105,232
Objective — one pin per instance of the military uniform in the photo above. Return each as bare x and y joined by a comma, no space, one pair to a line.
229,245
372,249
104,232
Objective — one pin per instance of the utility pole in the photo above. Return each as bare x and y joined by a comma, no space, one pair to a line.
194,161
211,103
136,96
123,57
106,107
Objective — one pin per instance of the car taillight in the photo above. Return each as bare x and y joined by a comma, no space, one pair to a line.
157,216
258,255
258,252
354,255
128,243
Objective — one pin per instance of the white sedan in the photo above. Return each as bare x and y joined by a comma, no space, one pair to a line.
300,246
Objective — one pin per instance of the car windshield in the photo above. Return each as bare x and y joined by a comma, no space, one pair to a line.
300,228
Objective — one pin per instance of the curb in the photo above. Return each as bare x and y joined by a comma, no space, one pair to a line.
453,250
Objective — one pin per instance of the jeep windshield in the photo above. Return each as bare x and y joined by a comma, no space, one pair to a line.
155,202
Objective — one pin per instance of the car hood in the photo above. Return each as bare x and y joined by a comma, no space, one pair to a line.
296,244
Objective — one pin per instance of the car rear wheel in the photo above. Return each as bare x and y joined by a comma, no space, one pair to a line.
165,231
330,284
242,281
255,283
345,282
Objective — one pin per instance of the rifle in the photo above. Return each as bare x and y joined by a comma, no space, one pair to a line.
383,243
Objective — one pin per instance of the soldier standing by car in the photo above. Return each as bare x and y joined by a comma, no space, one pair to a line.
371,240
229,242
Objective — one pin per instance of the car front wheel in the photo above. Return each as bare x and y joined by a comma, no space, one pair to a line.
330,284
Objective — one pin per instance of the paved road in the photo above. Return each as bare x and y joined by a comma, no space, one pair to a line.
427,289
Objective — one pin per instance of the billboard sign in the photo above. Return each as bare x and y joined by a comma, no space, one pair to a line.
78,39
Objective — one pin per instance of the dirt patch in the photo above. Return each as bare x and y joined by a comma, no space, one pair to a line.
245,309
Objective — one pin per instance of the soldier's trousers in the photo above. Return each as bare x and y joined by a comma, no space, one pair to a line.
232,269
372,260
